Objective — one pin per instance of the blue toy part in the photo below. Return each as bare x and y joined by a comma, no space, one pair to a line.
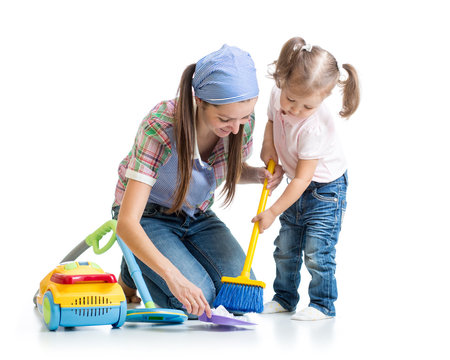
89,316
136,274
156,315
123,315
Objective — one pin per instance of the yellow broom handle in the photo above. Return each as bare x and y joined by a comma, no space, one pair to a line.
255,232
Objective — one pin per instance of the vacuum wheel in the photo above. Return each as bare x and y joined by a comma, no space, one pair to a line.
51,311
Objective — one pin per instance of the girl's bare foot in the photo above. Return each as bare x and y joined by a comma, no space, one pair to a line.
130,293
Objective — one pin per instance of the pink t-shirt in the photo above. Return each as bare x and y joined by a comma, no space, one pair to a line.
315,137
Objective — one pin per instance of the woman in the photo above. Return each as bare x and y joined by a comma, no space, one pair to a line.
184,149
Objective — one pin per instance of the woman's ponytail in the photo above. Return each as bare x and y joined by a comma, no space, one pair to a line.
185,136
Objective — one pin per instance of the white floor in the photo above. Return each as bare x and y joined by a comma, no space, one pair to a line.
363,334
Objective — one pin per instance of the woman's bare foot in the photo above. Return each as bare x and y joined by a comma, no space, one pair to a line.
130,293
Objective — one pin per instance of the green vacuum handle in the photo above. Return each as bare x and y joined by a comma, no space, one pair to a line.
94,238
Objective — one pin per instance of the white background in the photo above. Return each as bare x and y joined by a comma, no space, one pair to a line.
77,77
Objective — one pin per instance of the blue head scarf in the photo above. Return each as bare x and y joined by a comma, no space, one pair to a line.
225,76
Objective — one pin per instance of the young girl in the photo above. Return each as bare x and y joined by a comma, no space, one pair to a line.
301,134
184,149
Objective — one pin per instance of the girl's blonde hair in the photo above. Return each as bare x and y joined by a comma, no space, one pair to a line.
314,70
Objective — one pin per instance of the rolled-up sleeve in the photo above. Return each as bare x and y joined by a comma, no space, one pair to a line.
151,150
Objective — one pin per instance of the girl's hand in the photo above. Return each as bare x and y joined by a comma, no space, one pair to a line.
189,295
265,219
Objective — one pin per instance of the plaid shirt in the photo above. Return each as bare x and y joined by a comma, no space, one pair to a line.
152,149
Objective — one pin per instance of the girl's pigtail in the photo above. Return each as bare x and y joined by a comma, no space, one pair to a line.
350,92
185,136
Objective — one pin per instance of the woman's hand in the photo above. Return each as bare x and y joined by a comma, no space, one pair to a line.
273,180
188,294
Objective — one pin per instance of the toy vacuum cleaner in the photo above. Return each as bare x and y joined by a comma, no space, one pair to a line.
82,294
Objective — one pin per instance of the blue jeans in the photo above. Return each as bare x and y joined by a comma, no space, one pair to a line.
202,248
311,227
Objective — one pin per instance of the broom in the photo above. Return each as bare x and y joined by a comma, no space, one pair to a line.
242,294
